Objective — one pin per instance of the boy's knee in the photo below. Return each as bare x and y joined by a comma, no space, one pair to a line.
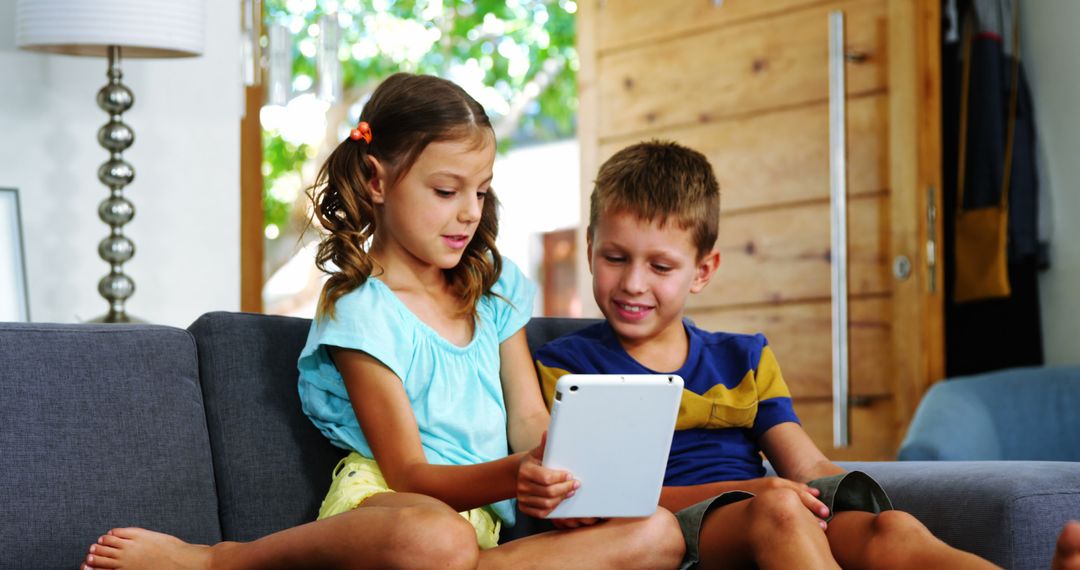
897,540
426,536
897,523
777,507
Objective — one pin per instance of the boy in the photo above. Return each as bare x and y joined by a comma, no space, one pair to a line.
652,230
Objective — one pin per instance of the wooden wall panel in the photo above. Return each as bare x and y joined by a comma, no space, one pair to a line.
746,82
799,334
737,70
784,254
632,22
782,157
875,433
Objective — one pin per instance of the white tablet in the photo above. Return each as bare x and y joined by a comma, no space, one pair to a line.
612,432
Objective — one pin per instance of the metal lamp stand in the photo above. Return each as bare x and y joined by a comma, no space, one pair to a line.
116,287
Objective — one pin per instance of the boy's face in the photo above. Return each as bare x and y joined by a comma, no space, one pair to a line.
642,275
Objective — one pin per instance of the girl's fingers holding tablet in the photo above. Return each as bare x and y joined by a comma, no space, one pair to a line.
558,491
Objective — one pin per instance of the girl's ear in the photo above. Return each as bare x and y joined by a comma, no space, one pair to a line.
377,184
706,268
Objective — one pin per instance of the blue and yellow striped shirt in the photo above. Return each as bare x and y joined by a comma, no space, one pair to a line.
734,393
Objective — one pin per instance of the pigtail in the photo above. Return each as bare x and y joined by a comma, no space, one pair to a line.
342,204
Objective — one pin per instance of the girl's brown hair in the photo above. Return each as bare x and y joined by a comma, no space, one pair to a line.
406,113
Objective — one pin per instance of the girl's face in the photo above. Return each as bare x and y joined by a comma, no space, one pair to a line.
430,215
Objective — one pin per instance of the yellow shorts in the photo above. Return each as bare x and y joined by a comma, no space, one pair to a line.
356,478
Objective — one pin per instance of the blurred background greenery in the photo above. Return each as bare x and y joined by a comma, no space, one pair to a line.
517,57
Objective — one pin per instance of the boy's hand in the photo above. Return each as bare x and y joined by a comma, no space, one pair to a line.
539,489
808,494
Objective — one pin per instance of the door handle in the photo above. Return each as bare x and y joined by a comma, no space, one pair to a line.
838,225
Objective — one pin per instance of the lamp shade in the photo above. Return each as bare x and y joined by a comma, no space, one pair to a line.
143,28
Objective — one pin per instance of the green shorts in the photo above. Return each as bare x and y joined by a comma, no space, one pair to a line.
851,491
356,478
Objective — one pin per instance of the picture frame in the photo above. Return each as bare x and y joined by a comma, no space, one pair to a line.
14,292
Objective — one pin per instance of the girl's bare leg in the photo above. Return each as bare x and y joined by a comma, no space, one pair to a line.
772,530
390,530
651,542
1067,555
893,539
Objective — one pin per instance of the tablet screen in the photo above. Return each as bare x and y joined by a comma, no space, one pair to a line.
612,432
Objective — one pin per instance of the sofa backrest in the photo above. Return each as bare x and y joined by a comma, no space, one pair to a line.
1013,414
100,426
271,464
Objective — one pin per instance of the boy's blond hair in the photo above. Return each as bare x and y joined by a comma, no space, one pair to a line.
658,180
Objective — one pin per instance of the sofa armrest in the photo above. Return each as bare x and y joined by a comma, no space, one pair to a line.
1009,512
951,424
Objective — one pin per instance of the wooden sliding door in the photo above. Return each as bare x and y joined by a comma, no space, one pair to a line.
747,82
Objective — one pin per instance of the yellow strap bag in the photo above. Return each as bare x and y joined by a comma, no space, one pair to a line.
982,234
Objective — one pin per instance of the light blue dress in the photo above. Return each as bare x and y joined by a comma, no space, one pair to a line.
455,392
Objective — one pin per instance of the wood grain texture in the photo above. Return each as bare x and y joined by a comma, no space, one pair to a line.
782,157
875,432
915,139
783,254
623,23
799,334
588,134
779,62
251,203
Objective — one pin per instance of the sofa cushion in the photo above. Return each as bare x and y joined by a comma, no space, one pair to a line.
271,464
542,330
100,426
1009,512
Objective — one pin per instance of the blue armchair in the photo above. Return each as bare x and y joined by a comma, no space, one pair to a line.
1015,414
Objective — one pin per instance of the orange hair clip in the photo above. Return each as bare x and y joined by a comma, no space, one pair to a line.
362,131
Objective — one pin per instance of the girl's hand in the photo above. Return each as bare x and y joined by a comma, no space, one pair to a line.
808,494
539,489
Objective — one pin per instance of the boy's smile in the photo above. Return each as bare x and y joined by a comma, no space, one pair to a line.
642,275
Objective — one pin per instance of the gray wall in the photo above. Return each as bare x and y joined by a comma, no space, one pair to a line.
1049,49
186,188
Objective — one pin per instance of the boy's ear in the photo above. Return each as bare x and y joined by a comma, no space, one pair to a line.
377,184
706,268
588,250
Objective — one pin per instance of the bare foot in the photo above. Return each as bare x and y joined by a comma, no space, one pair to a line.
1067,555
137,548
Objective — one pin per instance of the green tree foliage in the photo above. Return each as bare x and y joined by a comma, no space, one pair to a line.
517,57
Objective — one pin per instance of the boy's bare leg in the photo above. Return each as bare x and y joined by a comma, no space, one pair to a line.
390,530
772,530
893,539
1067,555
651,542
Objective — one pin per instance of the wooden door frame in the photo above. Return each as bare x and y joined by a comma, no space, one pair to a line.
251,202
915,139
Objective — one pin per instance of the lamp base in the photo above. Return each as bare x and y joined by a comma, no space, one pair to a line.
114,317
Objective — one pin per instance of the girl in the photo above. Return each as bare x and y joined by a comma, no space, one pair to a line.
417,363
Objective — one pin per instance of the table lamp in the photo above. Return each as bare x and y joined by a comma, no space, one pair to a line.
113,28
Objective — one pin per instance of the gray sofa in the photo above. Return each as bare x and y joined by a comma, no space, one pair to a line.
199,433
